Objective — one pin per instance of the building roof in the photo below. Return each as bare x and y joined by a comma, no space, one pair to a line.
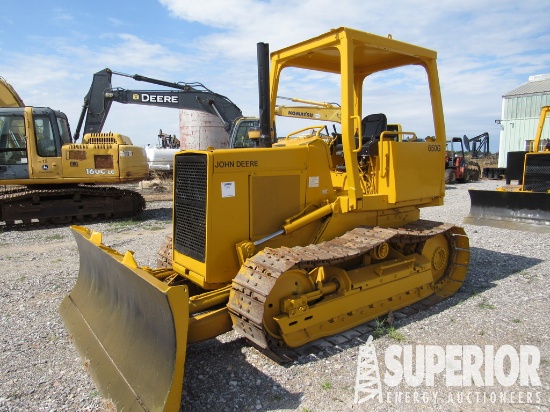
536,85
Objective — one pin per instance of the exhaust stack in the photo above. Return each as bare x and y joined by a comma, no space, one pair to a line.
263,86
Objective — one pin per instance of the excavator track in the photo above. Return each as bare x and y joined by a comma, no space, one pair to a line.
28,208
250,300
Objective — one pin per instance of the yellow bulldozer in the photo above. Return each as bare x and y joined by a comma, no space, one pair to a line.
293,240
523,206
50,178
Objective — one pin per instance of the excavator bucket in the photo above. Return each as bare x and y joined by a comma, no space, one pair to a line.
131,326
510,210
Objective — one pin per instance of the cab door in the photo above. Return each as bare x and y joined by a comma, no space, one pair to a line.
44,139
13,146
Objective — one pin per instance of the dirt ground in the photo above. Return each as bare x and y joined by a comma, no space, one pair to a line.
504,302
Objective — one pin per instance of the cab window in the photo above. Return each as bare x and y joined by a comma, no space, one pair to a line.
45,141
63,126
241,135
13,143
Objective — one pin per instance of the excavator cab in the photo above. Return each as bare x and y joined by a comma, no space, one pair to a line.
239,137
28,134
13,145
35,152
282,241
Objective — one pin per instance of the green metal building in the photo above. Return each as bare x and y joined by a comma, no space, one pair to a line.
520,115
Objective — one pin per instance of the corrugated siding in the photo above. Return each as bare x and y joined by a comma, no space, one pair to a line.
532,87
521,116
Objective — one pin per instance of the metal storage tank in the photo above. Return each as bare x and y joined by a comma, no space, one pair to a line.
199,130
520,114
160,160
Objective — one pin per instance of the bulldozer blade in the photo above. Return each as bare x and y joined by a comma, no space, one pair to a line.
130,328
517,210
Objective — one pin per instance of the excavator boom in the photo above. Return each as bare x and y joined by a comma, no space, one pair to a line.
190,96
8,95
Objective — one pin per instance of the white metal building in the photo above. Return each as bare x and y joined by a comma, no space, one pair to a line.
520,115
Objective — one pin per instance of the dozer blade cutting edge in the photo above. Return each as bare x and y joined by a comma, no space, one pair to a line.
131,326
517,210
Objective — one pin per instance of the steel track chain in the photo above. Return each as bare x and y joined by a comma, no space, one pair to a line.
258,275
24,195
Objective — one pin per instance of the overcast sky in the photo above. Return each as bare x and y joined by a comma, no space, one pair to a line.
50,51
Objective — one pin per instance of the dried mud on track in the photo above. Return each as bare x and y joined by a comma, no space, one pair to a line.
504,301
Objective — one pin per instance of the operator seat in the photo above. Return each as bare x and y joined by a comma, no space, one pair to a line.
373,125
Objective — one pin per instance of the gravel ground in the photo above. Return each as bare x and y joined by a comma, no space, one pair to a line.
504,301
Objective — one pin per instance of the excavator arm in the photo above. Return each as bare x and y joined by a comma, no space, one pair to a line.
322,111
190,96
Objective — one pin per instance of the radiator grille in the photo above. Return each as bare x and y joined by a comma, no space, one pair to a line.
190,205
537,172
